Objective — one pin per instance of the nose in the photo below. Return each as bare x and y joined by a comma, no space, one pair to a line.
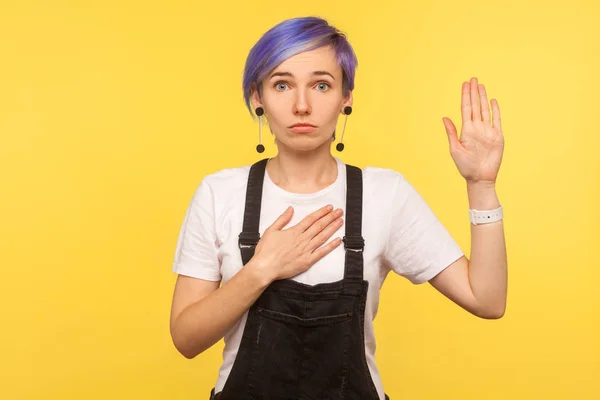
302,103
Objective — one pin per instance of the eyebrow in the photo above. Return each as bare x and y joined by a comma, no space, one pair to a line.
284,73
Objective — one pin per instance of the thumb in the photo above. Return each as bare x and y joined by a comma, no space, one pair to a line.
282,220
451,133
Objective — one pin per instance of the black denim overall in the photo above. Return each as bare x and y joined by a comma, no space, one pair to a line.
304,342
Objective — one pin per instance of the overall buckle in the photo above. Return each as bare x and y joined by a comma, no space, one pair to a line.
354,243
248,239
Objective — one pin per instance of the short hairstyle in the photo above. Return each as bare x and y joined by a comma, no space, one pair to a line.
291,37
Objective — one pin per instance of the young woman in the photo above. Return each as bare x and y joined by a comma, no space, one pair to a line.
285,259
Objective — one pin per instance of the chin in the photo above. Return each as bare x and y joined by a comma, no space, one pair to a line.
305,143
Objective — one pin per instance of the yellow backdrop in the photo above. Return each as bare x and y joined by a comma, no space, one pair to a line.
111,112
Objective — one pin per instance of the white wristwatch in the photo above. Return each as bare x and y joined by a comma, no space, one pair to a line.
479,217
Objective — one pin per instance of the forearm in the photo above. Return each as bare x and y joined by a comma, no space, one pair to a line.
488,273
205,322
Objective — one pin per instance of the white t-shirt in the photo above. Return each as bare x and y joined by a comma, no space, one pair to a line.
401,234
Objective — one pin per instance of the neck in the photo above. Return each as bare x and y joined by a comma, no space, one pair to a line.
303,172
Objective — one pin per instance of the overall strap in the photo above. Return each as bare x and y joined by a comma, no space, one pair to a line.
354,243
250,235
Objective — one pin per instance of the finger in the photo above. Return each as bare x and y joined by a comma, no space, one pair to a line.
451,133
485,106
310,219
320,224
323,236
465,105
475,105
281,221
497,120
324,250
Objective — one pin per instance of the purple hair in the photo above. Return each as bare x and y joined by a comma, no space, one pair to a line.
291,37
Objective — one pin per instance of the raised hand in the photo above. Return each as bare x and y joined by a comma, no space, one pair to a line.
478,152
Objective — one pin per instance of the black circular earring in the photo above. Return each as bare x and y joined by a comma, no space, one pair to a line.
340,146
259,112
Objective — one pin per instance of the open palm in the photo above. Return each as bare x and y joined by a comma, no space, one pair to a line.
478,152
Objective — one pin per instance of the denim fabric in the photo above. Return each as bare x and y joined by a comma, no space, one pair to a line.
304,342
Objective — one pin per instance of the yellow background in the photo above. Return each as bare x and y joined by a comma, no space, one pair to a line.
111,112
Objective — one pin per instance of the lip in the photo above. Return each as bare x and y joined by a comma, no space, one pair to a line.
302,128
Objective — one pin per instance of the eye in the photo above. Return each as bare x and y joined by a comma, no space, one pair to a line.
322,86
281,86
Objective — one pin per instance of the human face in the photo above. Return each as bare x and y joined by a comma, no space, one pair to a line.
304,89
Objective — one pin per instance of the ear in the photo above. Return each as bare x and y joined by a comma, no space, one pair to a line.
348,100
255,97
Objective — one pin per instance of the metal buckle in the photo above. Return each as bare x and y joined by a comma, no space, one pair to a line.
248,239
354,243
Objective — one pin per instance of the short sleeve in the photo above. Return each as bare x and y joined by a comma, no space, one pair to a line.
196,250
419,246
